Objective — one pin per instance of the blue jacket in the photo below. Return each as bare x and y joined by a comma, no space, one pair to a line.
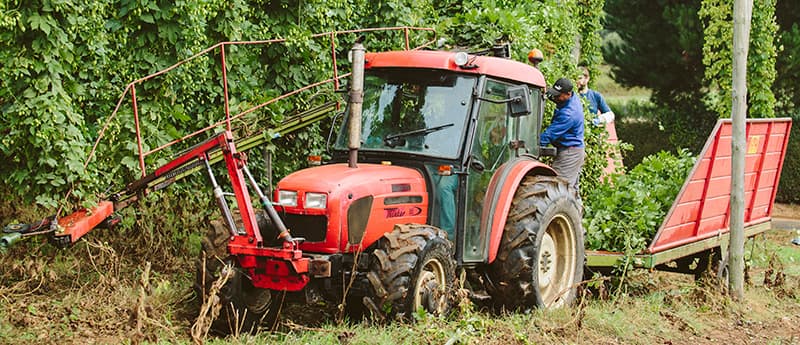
566,129
596,102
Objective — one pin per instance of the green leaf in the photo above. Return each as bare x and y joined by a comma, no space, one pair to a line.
130,162
147,18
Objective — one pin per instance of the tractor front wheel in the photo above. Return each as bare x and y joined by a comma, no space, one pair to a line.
541,255
412,268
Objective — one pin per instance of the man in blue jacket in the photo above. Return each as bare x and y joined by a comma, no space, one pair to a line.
566,132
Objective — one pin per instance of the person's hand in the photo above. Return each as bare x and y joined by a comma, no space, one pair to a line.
597,122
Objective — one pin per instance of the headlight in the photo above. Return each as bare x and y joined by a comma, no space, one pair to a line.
316,200
287,198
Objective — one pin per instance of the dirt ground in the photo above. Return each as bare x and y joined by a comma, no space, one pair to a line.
786,211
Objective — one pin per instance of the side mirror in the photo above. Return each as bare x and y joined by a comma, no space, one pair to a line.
476,164
520,101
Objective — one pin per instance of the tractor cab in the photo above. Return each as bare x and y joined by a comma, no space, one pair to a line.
456,120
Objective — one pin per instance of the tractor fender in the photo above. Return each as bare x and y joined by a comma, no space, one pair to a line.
500,193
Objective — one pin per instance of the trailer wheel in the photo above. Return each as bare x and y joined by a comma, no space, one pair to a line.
713,265
541,254
412,268
243,306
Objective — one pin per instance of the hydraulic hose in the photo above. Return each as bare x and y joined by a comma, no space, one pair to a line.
283,233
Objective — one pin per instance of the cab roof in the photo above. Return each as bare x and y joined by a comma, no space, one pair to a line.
487,65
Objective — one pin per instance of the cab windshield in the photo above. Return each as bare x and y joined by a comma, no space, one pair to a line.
424,112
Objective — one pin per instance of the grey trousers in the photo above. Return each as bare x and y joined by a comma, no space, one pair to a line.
568,164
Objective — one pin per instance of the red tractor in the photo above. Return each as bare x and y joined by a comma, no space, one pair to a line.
434,181
434,184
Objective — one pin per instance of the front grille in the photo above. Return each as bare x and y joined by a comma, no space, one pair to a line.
312,228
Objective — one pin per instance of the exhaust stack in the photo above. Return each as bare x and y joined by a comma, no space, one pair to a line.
356,100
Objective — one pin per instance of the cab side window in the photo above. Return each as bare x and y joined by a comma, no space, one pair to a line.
492,135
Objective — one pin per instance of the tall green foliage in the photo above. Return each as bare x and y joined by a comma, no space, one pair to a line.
787,63
66,64
589,29
549,25
718,56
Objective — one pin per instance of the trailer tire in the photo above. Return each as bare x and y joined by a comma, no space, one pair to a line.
411,268
243,307
541,256
713,266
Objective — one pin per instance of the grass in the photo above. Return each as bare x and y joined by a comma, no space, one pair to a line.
101,291
92,294
776,245
614,92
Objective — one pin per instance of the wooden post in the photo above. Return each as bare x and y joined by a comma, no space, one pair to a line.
742,14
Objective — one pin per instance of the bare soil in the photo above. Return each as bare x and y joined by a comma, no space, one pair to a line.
791,211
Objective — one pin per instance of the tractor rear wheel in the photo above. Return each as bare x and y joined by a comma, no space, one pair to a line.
541,255
412,268
243,306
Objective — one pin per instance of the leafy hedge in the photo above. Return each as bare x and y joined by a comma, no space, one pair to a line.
624,214
65,65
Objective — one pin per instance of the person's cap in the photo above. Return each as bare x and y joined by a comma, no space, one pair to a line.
562,85
535,55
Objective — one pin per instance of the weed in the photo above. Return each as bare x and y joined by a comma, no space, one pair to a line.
209,311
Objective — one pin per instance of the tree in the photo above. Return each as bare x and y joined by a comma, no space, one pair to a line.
660,48
683,55
718,57
786,89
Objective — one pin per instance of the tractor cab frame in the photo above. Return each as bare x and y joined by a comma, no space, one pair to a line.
456,128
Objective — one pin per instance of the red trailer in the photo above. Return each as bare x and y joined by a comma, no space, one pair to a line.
698,221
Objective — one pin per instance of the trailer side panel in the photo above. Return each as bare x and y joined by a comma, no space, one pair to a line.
702,208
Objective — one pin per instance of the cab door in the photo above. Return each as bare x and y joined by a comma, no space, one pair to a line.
490,149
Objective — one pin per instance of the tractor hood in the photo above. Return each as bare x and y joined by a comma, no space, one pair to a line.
361,204
336,177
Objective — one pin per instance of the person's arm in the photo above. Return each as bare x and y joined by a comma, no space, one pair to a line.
557,128
606,115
